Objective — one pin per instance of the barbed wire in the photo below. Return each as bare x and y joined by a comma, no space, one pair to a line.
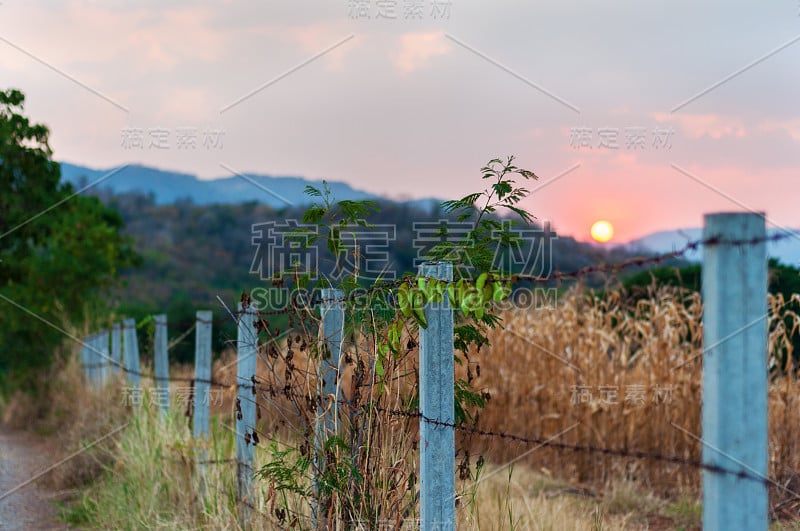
315,300
187,461
355,295
250,385
319,400
653,260
210,381
614,452
615,268
253,383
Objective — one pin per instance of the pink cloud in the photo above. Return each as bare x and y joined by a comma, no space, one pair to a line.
416,50
315,38
709,125
81,35
790,127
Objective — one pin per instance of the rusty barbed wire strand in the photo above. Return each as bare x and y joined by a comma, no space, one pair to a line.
542,442
360,293
613,452
210,381
653,260
288,390
188,461
584,271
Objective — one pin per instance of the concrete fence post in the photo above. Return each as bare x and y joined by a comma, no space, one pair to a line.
131,354
94,360
332,314
103,357
437,403
247,349
116,348
735,316
161,363
86,358
201,399
202,374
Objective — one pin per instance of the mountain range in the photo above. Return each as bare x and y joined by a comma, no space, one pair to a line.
285,191
168,186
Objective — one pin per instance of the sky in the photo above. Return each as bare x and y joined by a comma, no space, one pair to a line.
645,114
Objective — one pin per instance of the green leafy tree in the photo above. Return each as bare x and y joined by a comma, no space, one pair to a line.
59,251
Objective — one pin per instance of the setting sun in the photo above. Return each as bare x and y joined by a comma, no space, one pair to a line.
602,231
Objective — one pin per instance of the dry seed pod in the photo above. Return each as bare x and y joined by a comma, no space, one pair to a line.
245,299
463,471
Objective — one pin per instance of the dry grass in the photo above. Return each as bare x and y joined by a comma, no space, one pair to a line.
646,346
554,372
152,483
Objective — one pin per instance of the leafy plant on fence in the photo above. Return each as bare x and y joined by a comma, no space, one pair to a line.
365,471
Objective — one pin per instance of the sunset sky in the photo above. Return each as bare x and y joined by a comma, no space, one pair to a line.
646,114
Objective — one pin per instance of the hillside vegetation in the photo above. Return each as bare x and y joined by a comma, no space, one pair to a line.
192,254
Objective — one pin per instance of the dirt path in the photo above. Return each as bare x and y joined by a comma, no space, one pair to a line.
21,456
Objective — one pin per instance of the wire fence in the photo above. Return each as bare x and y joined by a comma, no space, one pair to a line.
308,400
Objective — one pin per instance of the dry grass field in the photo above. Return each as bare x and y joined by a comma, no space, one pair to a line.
620,371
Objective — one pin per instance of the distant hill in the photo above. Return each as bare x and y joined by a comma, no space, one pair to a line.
192,254
786,250
168,186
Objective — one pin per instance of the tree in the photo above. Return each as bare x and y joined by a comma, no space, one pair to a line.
59,250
